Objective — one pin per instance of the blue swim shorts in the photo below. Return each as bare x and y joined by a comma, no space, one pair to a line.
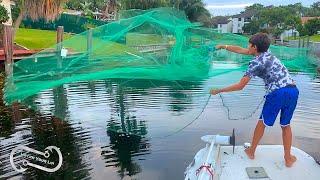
284,100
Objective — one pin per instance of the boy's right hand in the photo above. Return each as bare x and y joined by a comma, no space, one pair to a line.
220,46
215,91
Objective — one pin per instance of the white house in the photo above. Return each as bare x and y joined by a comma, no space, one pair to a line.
224,25
235,23
239,21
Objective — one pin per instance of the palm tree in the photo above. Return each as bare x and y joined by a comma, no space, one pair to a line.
86,9
37,9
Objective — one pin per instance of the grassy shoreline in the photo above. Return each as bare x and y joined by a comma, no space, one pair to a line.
36,38
314,38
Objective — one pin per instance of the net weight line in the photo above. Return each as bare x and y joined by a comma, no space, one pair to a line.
242,118
203,109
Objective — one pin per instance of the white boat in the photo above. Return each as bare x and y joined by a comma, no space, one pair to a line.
221,159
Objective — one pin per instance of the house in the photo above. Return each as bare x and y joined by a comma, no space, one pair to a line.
288,33
224,24
233,24
239,21
294,32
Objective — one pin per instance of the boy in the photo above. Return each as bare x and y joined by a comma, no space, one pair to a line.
282,94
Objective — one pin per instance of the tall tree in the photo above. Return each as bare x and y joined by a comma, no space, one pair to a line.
297,9
292,22
194,9
252,27
312,26
314,10
255,7
37,9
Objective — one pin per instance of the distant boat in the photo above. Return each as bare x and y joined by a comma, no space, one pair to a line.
221,159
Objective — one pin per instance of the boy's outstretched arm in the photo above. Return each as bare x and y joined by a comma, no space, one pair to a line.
235,49
235,87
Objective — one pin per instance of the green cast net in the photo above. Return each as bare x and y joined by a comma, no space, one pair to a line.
158,44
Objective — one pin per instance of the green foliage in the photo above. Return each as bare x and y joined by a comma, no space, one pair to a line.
77,4
3,14
194,9
314,10
274,19
292,21
85,7
312,26
71,23
255,7
15,11
253,27
74,4
275,16
296,9
302,30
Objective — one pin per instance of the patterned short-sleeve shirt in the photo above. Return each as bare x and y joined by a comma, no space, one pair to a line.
268,67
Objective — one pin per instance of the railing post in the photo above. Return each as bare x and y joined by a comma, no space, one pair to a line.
59,45
8,49
16,113
308,41
89,42
59,38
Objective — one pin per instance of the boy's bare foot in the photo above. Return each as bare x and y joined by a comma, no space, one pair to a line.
290,160
249,153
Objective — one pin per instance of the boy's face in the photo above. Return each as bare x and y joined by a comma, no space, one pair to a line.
252,49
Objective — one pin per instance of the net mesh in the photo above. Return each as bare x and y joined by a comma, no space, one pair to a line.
157,44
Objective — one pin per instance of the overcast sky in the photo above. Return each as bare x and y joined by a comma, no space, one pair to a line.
231,7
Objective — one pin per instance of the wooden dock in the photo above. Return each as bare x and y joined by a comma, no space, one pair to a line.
18,54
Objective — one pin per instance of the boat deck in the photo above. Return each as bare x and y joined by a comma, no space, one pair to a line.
270,157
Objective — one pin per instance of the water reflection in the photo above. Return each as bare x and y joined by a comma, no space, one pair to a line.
39,131
126,133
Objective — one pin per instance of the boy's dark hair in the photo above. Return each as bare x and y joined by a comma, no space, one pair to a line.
261,41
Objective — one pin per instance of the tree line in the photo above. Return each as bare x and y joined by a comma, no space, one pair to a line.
194,9
275,20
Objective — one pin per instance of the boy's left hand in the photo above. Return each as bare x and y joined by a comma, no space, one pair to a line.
214,91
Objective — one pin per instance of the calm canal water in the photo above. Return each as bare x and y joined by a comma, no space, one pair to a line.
93,117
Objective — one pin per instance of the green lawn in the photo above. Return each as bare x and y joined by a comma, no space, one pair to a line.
42,39
37,39
314,38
